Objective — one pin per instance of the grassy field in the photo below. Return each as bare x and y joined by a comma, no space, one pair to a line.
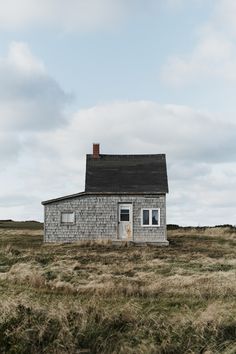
87,298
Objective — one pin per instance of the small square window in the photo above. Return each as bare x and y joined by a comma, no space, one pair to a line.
67,217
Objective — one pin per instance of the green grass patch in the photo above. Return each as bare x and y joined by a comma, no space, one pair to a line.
31,225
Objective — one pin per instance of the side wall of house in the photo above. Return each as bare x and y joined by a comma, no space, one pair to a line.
96,217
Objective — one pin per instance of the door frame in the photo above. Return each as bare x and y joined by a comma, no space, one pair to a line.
131,220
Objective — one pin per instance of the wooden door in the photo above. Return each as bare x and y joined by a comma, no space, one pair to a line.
125,222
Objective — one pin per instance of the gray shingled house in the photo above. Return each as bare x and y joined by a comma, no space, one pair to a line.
124,199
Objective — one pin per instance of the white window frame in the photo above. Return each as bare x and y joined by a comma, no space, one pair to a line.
69,222
150,217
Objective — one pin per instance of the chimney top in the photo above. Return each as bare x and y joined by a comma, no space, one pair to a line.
96,150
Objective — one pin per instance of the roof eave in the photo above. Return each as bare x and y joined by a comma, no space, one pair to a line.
71,196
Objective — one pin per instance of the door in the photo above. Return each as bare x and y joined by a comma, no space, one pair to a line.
125,226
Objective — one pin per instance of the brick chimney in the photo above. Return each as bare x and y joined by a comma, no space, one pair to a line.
96,151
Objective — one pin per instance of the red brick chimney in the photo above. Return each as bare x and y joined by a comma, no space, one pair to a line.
96,151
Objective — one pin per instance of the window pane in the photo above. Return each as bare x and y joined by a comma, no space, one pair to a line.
145,217
63,217
124,215
70,217
67,217
155,217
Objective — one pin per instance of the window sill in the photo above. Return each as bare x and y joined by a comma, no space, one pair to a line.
150,226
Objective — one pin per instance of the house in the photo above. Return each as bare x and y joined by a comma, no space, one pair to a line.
124,199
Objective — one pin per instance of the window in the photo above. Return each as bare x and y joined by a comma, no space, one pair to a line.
124,214
145,217
67,217
154,217
150,217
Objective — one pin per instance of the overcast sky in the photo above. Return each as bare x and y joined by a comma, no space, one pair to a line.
138,76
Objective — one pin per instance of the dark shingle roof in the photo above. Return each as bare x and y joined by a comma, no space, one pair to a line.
126,173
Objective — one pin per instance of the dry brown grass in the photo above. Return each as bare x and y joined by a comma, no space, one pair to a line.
99,298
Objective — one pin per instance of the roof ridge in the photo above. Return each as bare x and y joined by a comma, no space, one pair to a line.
133,154
129,155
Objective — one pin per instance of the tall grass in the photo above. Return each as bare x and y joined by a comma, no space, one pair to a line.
99,298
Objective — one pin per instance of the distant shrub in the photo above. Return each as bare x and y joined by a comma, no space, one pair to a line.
226,225
30,225
173,227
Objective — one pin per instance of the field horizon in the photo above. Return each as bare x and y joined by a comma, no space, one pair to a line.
100,298
36,224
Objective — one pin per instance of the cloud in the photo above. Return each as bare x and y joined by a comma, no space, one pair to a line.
76,15
214,57
224,16
65,14
10,146
29,98
21,58
30,101
177,130
214,54
200,149
15,200
200,155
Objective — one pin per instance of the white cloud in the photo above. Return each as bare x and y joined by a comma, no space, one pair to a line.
20,57
30,101
169,128
65,14
224,16
29,98
201,168
76,15
10,146
214,53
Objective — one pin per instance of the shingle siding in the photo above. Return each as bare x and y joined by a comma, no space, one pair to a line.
96,217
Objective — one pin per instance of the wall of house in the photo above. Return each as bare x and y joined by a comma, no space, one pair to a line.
96,217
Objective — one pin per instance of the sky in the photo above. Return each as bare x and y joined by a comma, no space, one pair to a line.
136,76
